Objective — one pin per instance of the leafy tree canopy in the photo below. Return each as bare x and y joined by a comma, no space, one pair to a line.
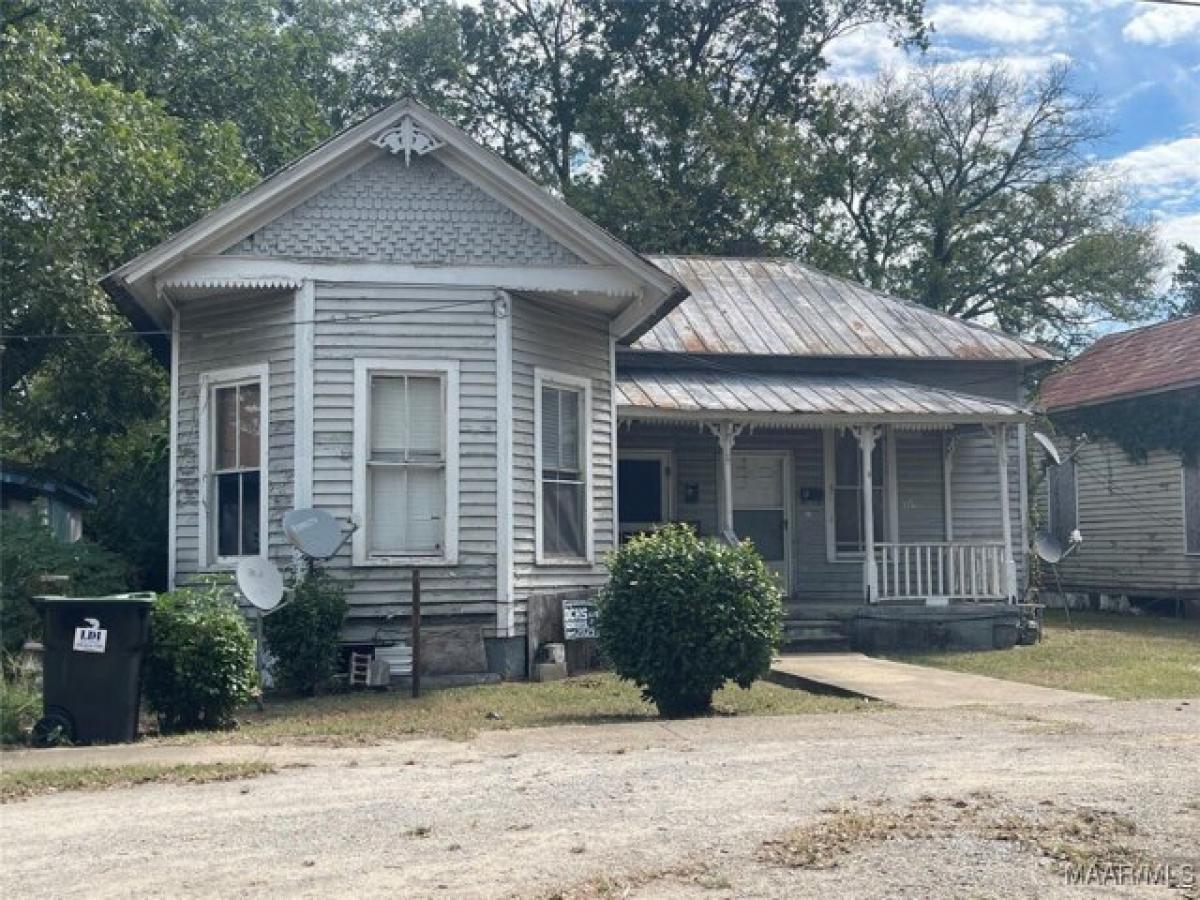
1184,299
972,192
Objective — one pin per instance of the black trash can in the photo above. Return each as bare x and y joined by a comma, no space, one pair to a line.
92,668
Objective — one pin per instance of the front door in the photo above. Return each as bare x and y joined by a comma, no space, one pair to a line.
761,486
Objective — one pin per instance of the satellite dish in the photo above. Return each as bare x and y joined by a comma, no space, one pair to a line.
313,532
260,582
1048,547
1048,446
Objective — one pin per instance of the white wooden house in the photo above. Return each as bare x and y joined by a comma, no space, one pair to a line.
401,329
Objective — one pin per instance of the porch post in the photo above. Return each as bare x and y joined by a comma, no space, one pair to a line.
867,436
1000,437
726,434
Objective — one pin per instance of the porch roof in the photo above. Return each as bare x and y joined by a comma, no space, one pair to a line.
799,400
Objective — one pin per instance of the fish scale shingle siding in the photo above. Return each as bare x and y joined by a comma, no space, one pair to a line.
386,211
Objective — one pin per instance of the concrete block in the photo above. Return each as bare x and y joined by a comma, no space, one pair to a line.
550,671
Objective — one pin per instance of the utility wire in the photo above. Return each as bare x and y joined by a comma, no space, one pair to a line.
336,319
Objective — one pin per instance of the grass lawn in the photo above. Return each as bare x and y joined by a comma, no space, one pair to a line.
1124,657
462,712
21,784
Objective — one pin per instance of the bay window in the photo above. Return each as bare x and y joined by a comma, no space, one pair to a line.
405,437
564,529
233,425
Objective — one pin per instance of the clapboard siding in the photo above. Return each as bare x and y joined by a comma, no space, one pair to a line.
221,334
435,324
574,344
1131,516
920,493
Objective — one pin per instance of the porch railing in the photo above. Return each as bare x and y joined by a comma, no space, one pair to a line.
949,571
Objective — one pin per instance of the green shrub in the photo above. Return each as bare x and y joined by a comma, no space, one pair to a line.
303,635
680,616
20,707
200,663
27,551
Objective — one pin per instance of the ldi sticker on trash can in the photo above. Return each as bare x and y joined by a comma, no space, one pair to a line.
91,638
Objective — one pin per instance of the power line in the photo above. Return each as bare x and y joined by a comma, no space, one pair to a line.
342,319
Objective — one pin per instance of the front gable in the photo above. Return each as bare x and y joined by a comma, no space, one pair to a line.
416,211
402,197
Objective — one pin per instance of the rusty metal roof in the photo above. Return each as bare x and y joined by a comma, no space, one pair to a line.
1145,360
782,307
708,394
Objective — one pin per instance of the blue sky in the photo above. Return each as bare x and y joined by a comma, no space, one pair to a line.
1142,59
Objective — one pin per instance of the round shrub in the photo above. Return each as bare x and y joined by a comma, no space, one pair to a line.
304,634
200,663
680,616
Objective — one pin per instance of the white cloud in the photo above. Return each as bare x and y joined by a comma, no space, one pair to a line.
1163,25
863,53
1181,230
1020,22
1166,174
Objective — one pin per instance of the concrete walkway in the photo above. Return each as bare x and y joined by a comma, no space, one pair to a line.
908,685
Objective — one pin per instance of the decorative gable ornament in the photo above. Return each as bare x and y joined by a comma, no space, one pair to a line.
407,137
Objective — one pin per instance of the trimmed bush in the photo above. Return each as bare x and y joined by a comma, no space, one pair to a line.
27,551
681,616
304,634
200,663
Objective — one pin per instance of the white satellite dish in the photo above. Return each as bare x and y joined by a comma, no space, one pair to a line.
260,582
313,532
1048,446
1048,547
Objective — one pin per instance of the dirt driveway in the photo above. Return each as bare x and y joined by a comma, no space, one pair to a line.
945,803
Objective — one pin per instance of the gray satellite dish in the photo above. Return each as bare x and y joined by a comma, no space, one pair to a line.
313,532
1048,547
260,582
1048,446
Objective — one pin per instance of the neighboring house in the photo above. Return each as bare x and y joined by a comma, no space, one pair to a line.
58,502
1139,519
401,329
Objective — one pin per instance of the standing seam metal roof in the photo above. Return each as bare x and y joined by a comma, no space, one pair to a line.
781,307
689,391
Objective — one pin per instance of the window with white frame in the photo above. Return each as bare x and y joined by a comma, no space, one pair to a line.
1063,506
234,423
1191,506
406,467
844,481
564,494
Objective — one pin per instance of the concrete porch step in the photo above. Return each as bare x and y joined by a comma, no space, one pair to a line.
815,633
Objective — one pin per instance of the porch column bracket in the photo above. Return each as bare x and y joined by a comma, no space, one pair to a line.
999,435
868,436
726,434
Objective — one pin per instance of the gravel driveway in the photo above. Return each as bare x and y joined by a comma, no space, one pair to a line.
644,810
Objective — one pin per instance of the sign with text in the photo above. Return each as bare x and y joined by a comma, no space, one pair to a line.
579,619
90,637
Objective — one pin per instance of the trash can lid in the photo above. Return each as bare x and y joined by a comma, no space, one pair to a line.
136,597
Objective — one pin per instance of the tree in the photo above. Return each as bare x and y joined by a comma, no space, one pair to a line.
971,191
668,122
89,176
1185,284
268,67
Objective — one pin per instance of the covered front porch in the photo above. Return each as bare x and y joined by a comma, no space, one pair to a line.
858,490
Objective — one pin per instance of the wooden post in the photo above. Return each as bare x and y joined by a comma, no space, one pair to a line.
726,434
867,436
1009,575
416,632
